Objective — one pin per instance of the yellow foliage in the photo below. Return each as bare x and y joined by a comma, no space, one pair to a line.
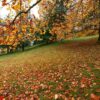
16,7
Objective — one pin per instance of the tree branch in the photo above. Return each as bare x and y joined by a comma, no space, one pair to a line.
21,12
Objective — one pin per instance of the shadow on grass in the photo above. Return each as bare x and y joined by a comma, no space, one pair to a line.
26,49
53,44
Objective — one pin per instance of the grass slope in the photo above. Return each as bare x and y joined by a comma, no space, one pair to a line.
61,70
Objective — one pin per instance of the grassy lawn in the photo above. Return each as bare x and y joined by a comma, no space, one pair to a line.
59,71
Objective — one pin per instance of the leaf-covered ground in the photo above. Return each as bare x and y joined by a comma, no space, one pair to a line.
59,71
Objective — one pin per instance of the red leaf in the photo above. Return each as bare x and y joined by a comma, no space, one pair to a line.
95,97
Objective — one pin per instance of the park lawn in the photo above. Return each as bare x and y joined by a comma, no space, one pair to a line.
68,69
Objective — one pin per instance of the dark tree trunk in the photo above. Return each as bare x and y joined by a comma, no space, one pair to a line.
99,21
8,49
23,46
99,32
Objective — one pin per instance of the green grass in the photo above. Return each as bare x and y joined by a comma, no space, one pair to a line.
59,67
53,44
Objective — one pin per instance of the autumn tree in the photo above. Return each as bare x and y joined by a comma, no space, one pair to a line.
17,28
58,17
54,15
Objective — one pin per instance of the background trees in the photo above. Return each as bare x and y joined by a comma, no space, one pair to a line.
74,18
61,18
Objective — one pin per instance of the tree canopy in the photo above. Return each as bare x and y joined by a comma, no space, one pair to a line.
61,17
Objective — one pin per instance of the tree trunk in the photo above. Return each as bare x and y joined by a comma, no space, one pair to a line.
99,33
99,22
8,49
